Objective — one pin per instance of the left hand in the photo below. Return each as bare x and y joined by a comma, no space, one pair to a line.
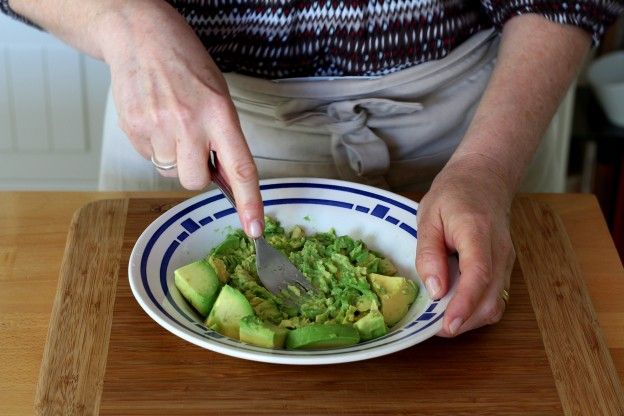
467,211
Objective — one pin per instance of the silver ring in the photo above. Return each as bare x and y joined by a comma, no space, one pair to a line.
163,166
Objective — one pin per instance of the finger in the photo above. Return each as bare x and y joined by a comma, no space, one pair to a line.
130,116
138,138
475,264
431,253
490,311
143,147
164,152
139,141
240,170
492,306
192,156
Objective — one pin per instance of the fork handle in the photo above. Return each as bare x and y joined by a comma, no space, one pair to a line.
218,178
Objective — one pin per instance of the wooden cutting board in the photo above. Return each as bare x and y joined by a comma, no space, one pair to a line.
105,356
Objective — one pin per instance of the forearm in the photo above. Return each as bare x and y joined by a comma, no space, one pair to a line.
91,26
537,62
74,21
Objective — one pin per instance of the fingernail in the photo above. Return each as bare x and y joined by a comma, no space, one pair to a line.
255,229
454,326
433,287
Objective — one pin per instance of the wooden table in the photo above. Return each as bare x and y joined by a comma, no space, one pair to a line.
33,231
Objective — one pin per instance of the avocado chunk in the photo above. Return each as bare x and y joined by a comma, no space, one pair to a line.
396,294
255,331
372,325
319,336
219,266
228,310
231,243
199,284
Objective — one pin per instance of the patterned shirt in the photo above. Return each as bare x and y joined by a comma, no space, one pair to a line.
302,38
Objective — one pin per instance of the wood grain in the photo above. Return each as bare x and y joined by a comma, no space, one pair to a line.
498,370
34,228
74,359
584,372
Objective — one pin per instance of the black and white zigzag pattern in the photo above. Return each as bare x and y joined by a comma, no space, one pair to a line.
284,38
295,38
300,38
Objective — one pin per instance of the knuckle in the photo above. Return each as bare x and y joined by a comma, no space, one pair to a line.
184,114
493,312
178,113
244,171
251,206
424,255
481,274
222,113
133,122
479,224
159,116
193,182
133,111
133,128
472,229
218,108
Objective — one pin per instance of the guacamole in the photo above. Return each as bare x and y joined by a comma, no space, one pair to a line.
359,295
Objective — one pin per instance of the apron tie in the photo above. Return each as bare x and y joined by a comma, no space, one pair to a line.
356,149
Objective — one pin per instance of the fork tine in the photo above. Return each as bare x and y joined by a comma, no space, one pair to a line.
291,285
275,271
305,284
273,266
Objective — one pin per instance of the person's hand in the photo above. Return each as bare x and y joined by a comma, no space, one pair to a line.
467,211
174,104
467,208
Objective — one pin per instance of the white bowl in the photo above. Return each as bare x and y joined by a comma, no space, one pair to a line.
606,76
384,221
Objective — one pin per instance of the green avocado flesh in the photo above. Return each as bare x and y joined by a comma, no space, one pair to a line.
199,284
358,294
396,294
228,310
256,332
322,336
371,326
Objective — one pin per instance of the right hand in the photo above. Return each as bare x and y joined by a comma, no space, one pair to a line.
174,104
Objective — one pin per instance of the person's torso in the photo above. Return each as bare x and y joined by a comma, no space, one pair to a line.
319,38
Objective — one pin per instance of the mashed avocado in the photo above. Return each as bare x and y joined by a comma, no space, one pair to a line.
338,266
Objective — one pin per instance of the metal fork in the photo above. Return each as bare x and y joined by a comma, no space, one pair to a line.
275,271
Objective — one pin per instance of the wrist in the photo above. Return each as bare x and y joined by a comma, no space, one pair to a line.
119,25
486,171
112,28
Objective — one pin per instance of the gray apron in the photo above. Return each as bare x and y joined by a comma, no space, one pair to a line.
395,131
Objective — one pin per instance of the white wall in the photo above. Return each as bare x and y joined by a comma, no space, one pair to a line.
52,103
